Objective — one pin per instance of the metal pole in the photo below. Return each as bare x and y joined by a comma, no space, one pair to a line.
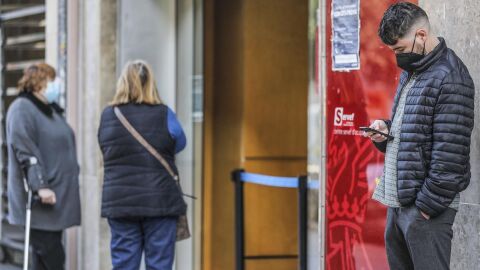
3,156
239,221
302,222
27,231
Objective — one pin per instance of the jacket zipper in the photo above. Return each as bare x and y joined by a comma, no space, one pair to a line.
410,78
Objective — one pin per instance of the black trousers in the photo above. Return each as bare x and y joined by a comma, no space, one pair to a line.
412,242
47,250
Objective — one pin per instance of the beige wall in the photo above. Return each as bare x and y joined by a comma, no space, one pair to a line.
51,32
91,84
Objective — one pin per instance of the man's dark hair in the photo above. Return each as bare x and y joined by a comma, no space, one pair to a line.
398,19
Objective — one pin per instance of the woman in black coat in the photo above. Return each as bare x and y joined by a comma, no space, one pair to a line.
141,200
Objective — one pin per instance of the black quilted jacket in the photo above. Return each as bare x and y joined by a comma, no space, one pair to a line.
434,152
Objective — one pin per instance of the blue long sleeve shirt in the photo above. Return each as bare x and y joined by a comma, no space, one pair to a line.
176,131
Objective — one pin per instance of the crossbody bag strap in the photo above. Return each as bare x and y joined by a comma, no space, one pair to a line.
149,147
144,142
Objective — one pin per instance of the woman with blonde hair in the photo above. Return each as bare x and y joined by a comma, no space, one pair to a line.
41,150
141,199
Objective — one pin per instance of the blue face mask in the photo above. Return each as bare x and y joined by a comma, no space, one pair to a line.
52,94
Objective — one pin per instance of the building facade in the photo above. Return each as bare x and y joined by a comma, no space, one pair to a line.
256,86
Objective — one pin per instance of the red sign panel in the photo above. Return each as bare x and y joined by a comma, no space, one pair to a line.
354,222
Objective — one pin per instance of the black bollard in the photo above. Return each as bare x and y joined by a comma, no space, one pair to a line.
302,222
239,221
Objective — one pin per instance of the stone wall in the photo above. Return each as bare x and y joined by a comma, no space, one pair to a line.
459,23
96,76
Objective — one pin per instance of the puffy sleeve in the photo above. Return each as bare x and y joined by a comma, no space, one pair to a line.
452,128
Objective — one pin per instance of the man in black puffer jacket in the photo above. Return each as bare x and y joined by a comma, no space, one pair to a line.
427,163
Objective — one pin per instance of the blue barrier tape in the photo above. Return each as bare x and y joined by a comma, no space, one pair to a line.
274,181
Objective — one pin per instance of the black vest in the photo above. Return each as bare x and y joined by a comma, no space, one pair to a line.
135,182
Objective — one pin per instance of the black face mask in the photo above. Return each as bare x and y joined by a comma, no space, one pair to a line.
405,61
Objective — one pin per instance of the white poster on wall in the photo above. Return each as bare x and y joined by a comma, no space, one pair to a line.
345,35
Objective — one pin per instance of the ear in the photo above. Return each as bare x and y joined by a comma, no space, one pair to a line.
422,33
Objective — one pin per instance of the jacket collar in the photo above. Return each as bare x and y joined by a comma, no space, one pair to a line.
432,57
46,109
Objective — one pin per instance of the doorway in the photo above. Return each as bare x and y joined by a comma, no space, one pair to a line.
256,70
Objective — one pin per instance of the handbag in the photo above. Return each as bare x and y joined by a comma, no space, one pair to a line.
183,231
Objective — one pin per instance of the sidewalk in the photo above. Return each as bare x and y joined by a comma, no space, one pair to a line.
8,267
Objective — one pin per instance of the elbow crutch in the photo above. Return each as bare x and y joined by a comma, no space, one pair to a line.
26,251
30,200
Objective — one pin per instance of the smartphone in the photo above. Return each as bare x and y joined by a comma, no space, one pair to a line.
368,129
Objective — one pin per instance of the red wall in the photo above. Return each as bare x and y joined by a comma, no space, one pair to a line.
355,223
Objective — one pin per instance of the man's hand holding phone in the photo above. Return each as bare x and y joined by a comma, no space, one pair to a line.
380,126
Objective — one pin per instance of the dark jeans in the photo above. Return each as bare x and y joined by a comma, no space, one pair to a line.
413,242
47,250
132,236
